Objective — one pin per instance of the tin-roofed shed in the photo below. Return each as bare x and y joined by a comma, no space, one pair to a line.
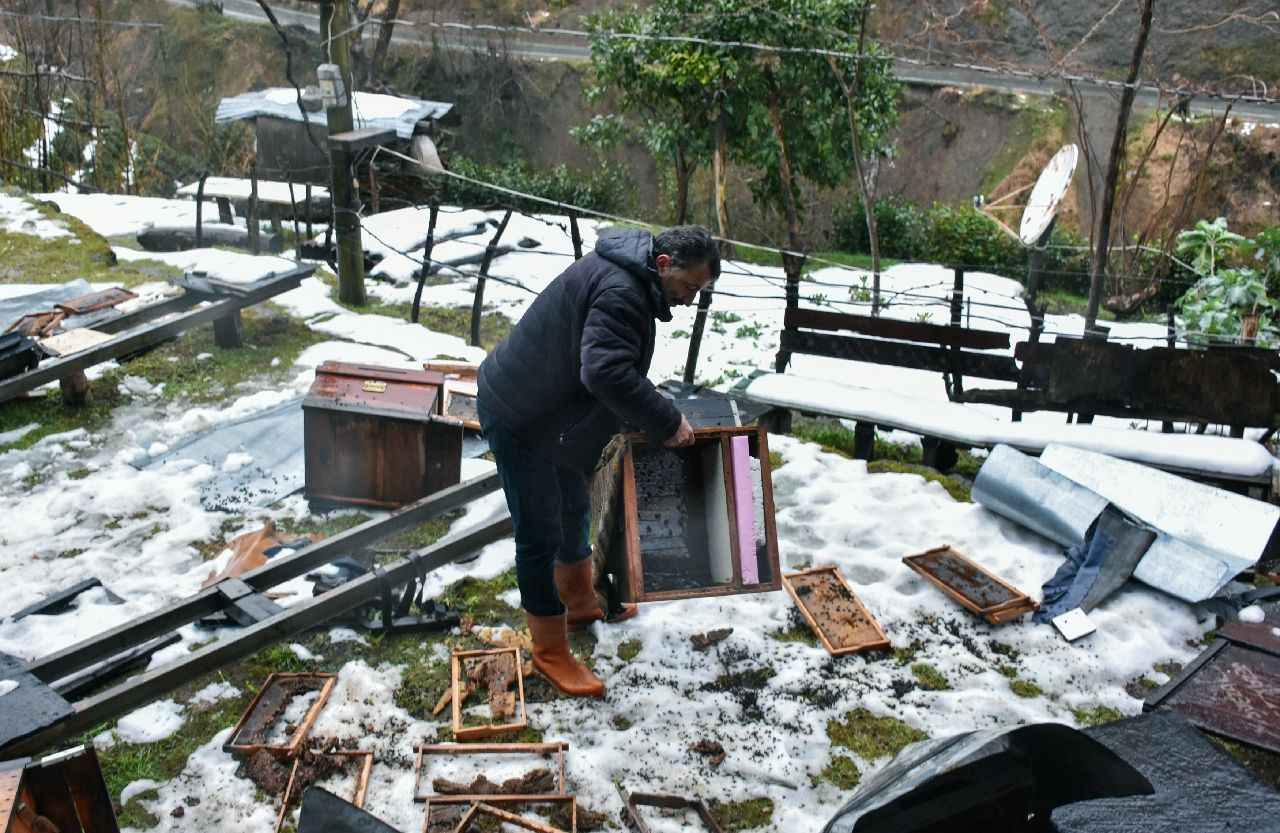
283,151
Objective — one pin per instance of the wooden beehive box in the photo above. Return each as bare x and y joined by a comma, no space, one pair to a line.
377,436
697,521
64,792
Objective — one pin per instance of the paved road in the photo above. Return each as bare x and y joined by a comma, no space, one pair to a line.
569,48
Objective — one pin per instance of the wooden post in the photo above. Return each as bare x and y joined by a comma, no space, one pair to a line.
293,206
227,331
426,261
200,210
346,221
255,228
576,235
477,305
75,389
695,339
955,383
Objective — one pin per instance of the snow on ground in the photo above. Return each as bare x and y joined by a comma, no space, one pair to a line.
75,508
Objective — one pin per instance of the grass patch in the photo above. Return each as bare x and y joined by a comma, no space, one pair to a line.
1009,671
479,597
423,681
929,678
630,649
958,489
1024,689
841,771
797,633
1096,716
775,460
751,678
621,723
902,656
742,815
871,737
834,436
769,257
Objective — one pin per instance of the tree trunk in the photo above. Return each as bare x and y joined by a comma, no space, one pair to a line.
384,40
721,187
793,259
684,170
1102,244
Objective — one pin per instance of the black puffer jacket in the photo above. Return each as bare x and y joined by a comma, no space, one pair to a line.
575,367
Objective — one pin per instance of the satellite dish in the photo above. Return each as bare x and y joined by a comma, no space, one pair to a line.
1046,196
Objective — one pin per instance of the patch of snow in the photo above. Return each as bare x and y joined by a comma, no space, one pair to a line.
151,723
1253,614
214,692
7,686
136,788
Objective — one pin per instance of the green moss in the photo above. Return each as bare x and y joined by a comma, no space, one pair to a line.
630,649
134,815
1010,671
958,489
78,474
742,815
840,771
775,460
829,433
1263,764
799,633
929,678
279,659
478,597
71,553
872,737
903,655
751,678
1095,716
423,681
1022,688
621,723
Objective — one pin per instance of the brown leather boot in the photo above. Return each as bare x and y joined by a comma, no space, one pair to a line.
576,586
552,659
578,593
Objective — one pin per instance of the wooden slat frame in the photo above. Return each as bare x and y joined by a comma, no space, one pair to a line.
480,808
633,584
670,802
326,683
836,578
542,749
461,732
362,780
995,614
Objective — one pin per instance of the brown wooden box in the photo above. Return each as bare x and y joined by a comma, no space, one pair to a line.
680,520
834,611
377,436
65,790
976,589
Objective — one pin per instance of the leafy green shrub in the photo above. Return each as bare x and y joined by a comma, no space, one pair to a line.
598,189
1231,292
960,235
898,224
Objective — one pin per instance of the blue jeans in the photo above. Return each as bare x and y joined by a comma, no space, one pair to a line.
550,511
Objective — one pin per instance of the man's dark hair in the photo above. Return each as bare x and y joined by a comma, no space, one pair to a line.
688,246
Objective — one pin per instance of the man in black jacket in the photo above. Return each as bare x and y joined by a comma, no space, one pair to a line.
553,394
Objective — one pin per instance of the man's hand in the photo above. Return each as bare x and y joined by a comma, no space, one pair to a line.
683,435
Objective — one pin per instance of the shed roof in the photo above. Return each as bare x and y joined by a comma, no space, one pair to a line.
369,109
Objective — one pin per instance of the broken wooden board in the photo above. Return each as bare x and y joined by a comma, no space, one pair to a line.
293,791
834,611
539,751
1229,690
498,669
670,802
253,731
977,590
95,301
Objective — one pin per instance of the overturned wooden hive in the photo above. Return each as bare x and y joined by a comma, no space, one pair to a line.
976,589
834,611
695,521
269,723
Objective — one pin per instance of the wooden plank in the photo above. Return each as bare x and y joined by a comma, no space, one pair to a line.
939,334
151,684
541,749
901,354
479,809
834,611
285,687
276,571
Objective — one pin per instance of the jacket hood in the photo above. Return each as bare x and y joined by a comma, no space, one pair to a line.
632,249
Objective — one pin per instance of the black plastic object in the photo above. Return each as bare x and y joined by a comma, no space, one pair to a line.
1198,786
324,812
17,354
988,781
30,707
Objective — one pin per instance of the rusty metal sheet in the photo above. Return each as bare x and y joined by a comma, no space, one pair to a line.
1259,635
253,730
37,324
834,611
974,588
1230,690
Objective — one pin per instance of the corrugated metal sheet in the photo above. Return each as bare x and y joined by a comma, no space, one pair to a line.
369,109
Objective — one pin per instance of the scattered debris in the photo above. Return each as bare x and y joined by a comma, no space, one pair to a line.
310,767
834,611
974,588
481,809
703,641
252,549
61,601
426,752
711,748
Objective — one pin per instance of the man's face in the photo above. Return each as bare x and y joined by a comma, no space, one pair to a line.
680,285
